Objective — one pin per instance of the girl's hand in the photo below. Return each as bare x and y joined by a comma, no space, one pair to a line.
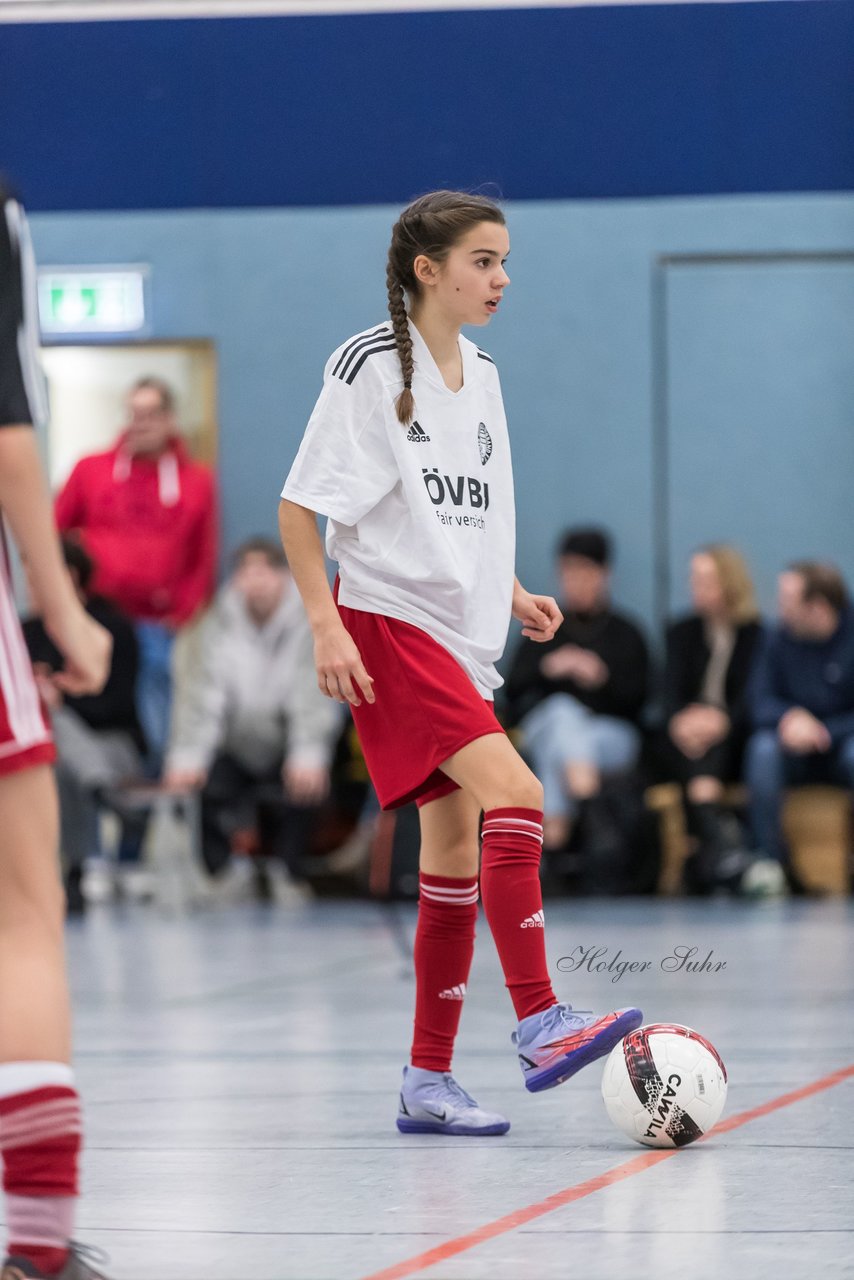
539,615
86,647
340,672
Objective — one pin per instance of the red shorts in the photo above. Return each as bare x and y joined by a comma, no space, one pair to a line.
426,708
25,738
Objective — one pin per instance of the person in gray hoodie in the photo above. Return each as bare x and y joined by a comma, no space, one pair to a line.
253,732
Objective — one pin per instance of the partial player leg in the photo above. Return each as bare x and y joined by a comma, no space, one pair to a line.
39,1107
553,1040
447,914
431,1101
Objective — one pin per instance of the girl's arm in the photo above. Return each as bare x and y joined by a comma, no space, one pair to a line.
24,499
336,658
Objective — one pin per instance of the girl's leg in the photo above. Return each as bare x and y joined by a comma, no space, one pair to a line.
431,1101
39,1107
494,773
447,914
553,1040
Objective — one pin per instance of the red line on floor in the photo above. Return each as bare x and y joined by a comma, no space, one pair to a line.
519,1217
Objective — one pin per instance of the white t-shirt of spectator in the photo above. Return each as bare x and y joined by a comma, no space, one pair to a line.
421,518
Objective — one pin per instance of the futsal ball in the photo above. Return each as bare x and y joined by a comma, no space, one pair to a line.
664,1085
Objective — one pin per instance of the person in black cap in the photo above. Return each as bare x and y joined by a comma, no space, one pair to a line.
577,698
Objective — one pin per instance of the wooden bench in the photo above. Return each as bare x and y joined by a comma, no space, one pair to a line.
816,820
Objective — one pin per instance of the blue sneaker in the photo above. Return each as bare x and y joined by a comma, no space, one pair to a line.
433,1102
556,1043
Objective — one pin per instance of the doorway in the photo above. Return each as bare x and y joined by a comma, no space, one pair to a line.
88,387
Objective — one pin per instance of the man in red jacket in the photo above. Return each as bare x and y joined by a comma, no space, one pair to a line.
146,514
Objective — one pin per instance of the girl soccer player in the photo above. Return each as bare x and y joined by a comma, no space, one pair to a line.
407,454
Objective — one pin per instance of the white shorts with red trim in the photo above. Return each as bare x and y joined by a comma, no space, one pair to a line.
25,737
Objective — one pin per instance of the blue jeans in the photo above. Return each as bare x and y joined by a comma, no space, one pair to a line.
770,769
154,689
561,731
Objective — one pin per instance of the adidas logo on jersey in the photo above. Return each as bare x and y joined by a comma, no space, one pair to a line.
454,993
536,921
417,434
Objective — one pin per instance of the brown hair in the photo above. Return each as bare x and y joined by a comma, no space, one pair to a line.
822,582
260,546
431,225
150,383
736,582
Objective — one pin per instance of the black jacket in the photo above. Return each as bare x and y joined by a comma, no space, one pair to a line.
817,675
115,706
688,656
616,640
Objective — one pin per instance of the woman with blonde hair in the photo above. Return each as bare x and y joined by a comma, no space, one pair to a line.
709,659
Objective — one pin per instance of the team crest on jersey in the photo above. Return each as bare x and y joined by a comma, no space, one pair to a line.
484,443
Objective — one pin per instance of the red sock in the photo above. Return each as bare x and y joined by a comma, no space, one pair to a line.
444,944
513,903
40,1140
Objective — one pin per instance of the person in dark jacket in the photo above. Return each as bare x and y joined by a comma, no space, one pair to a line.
578,697
710,655
802,698
99,741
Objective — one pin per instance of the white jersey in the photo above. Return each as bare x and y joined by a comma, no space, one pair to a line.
421,518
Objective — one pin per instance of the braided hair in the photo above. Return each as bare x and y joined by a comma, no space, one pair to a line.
431,225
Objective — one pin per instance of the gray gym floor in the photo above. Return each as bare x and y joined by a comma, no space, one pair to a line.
240,1068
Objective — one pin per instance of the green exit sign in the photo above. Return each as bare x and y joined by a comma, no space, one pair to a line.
79,301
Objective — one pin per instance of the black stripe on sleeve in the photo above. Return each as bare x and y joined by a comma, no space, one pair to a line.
371,351
352,347
481,355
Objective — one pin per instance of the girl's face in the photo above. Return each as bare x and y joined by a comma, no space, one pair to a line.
467,287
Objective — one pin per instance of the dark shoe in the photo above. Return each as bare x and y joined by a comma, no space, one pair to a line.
602,845
723,856
75,903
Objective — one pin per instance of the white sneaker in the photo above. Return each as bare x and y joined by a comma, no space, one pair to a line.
433,1102
135,882
235,884
764,878
98,883
286,891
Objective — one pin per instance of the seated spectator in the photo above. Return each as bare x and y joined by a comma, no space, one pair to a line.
578,697
710,655
146,514
99,742
802,698
254,733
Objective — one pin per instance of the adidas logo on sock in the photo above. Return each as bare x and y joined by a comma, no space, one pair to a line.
536,921
417,434
454,993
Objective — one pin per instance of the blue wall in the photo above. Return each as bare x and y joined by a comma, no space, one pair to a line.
560,103
575,345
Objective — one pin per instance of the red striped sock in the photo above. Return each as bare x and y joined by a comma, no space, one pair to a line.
40,1136
513,903
444,944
